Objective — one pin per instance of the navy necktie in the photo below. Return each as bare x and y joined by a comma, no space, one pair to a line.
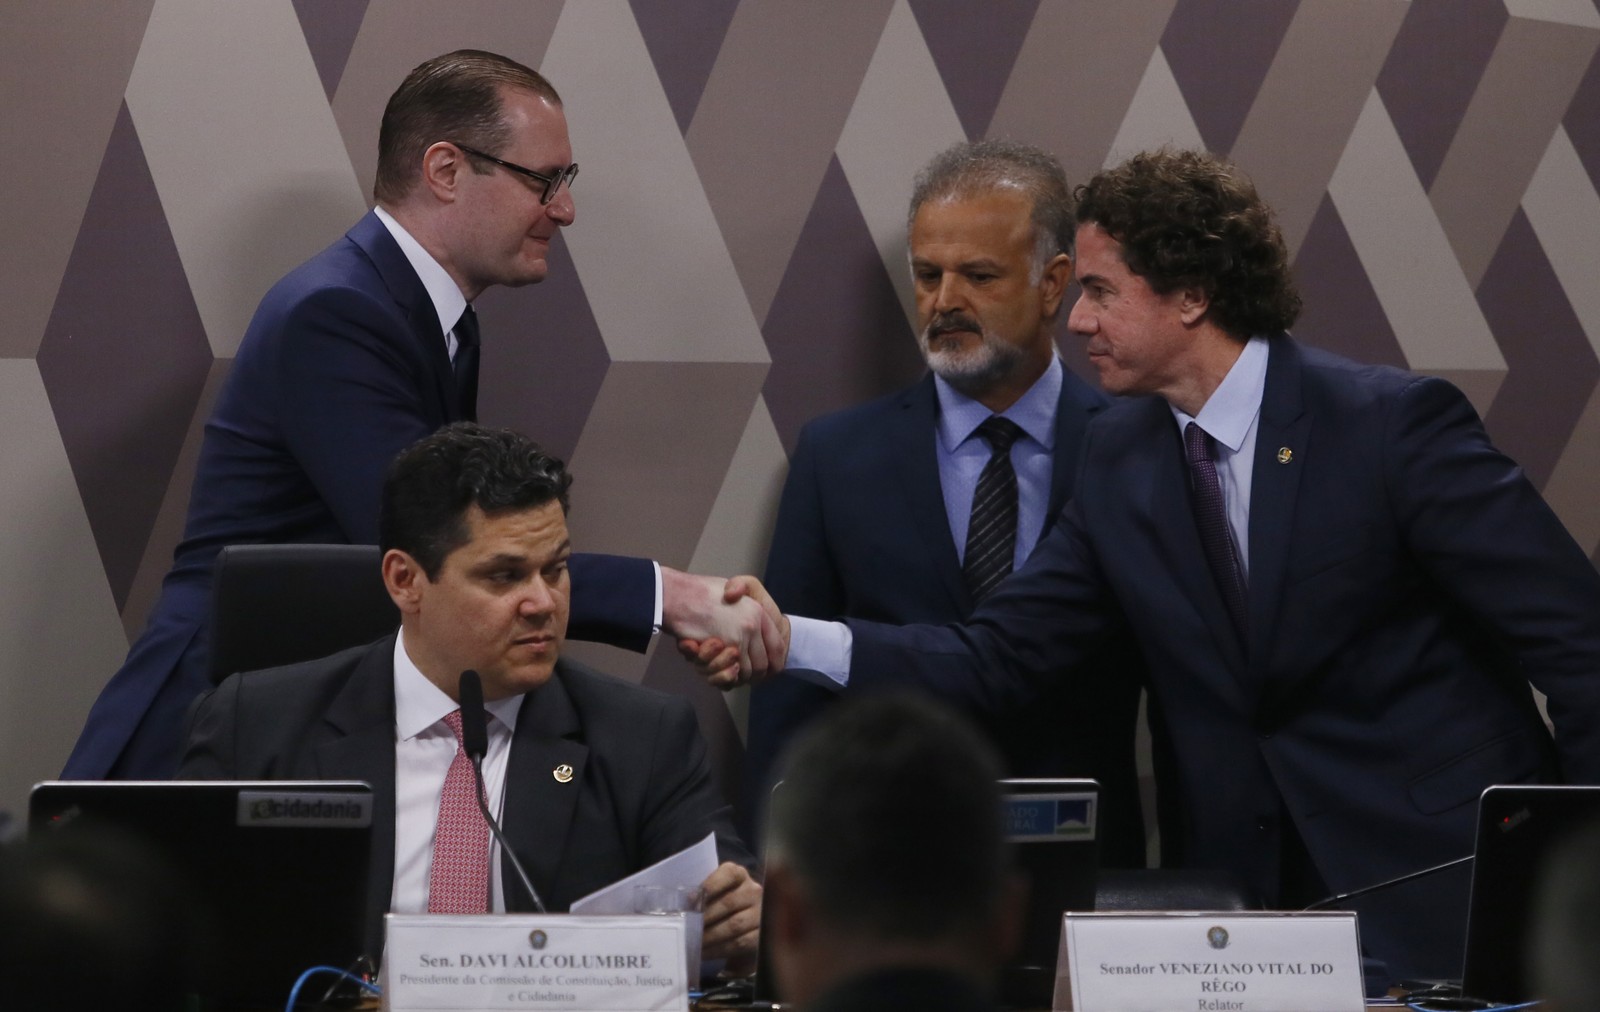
1212,520
992,531
465,364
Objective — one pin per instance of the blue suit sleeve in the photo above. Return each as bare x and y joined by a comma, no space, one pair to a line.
1487,537
352,375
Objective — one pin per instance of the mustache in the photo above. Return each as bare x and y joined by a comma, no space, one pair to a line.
948,322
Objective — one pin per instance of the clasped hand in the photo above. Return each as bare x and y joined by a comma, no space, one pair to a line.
731,630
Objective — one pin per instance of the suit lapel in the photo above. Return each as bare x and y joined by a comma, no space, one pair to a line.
1275,486
359,727
539,804
412,297
912,430
1072,420
1167,499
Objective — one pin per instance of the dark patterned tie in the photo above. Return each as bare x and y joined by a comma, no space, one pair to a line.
992,532
465,364
1212,520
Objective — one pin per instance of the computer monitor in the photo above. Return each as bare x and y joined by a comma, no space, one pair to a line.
1517,827
281,865
1053,824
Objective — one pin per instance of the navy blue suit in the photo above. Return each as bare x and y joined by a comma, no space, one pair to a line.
343,366
1406,584
862,533
640,790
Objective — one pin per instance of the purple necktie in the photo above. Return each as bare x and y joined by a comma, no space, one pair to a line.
1212,520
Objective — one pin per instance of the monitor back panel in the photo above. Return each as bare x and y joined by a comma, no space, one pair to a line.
280,866
1517,827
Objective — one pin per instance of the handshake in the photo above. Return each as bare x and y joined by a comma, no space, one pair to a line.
731,630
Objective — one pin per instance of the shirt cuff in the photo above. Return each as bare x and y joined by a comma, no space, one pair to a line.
819,652
655,624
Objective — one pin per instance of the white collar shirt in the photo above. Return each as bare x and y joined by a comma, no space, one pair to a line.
442,289
424,747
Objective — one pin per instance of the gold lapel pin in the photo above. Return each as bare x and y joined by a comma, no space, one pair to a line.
562,773
1285,455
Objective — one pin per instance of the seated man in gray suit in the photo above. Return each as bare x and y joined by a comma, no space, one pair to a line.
591,777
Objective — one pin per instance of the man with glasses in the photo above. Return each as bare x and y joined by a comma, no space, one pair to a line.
356,354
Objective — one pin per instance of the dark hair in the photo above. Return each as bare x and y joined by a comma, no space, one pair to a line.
434,481
454,97
889,817
1189,218
91,915
972,168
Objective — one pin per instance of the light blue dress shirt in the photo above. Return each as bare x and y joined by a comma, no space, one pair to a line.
962,454
1231,417
819,652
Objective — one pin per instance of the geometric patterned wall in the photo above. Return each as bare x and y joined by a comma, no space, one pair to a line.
737,264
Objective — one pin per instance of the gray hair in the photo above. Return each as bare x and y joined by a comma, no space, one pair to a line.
973,168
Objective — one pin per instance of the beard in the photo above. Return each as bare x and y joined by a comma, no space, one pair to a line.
972,370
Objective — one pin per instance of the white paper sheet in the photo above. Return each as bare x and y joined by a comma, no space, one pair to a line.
688,867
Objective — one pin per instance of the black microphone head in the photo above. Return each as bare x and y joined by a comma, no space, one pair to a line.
474,726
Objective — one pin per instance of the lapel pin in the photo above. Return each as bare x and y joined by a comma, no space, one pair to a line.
562,773
1285,455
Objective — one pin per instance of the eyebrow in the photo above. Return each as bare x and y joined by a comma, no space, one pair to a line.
988,263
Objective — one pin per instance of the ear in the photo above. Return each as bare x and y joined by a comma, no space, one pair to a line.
443,166
404,579
1053,284
1192,304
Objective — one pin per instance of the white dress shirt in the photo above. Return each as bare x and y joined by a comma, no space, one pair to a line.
424,747
449,303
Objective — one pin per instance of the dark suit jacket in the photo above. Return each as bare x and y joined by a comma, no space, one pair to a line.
862,533
343,366
641,788
1406,584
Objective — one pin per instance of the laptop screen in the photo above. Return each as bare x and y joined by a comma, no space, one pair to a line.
1517,827
282,865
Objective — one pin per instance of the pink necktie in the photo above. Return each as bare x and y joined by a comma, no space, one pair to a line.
459,881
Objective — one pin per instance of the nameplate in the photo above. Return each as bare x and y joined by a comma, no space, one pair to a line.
533,961
1210,962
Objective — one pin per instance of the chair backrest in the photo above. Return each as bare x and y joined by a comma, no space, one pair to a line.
279,604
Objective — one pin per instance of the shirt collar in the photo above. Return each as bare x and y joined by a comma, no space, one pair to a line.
419,704
1232,408
442,289
1034,412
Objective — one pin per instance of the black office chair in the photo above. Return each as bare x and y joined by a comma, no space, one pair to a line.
279,604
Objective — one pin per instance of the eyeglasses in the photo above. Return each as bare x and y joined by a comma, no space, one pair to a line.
552,183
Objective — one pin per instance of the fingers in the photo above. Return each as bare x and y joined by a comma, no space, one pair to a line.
732,913
754,660
731,630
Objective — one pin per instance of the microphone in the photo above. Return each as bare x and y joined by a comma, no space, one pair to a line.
1330,901
475,741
